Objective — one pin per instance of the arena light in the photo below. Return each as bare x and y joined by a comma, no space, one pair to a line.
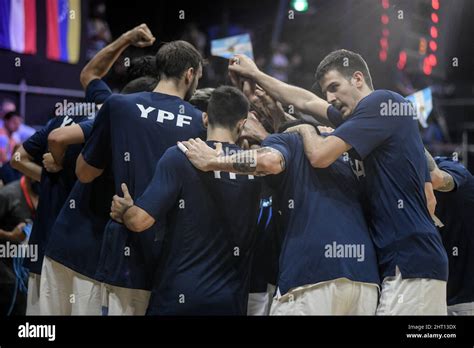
432,60
402,60
434,18
427,68
300,5
433,46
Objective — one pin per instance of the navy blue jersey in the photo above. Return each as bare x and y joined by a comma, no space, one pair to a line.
79,227
54,187
395,170
97,91
77,235
130,134
455,209
210,228
325,235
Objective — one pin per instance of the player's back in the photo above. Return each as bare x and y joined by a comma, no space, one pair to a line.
130,134
145,126
209,237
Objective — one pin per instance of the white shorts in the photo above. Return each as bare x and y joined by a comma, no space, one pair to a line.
335,297
461,309
417,296
32,300
125,301
259,302
66,292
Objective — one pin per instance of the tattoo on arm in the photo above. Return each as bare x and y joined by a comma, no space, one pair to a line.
247,162
431,162
448,183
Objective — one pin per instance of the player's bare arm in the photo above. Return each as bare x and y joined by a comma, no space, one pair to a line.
24,163
301,99
123,211
98,67
430,198
320,151
60,138
441,180
85,172
260,162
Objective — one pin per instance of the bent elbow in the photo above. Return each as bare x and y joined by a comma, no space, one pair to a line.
137,225
82,174
55,138
83,177
318,161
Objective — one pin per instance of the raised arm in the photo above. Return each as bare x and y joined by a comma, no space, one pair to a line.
303,100
263,161
99,66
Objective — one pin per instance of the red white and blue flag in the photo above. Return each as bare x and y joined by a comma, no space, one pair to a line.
18,25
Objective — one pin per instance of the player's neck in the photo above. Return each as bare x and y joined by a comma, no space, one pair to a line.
364,93
221,135
169,87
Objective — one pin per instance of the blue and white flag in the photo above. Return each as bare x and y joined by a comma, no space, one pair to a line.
232,45
423,101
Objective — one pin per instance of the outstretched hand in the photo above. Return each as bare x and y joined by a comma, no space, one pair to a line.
243,66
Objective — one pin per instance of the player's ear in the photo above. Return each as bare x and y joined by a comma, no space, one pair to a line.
205,119
241,124
189,75
358,79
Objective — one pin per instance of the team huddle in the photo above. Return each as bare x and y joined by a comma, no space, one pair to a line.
176,200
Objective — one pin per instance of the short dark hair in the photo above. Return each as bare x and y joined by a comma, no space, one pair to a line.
142,66
227,106
174,58
200,98
346,63
10,115
142,84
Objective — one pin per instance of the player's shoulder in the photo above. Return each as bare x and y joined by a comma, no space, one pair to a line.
281,137
289,139
191,108
174,157
381,95
115,99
